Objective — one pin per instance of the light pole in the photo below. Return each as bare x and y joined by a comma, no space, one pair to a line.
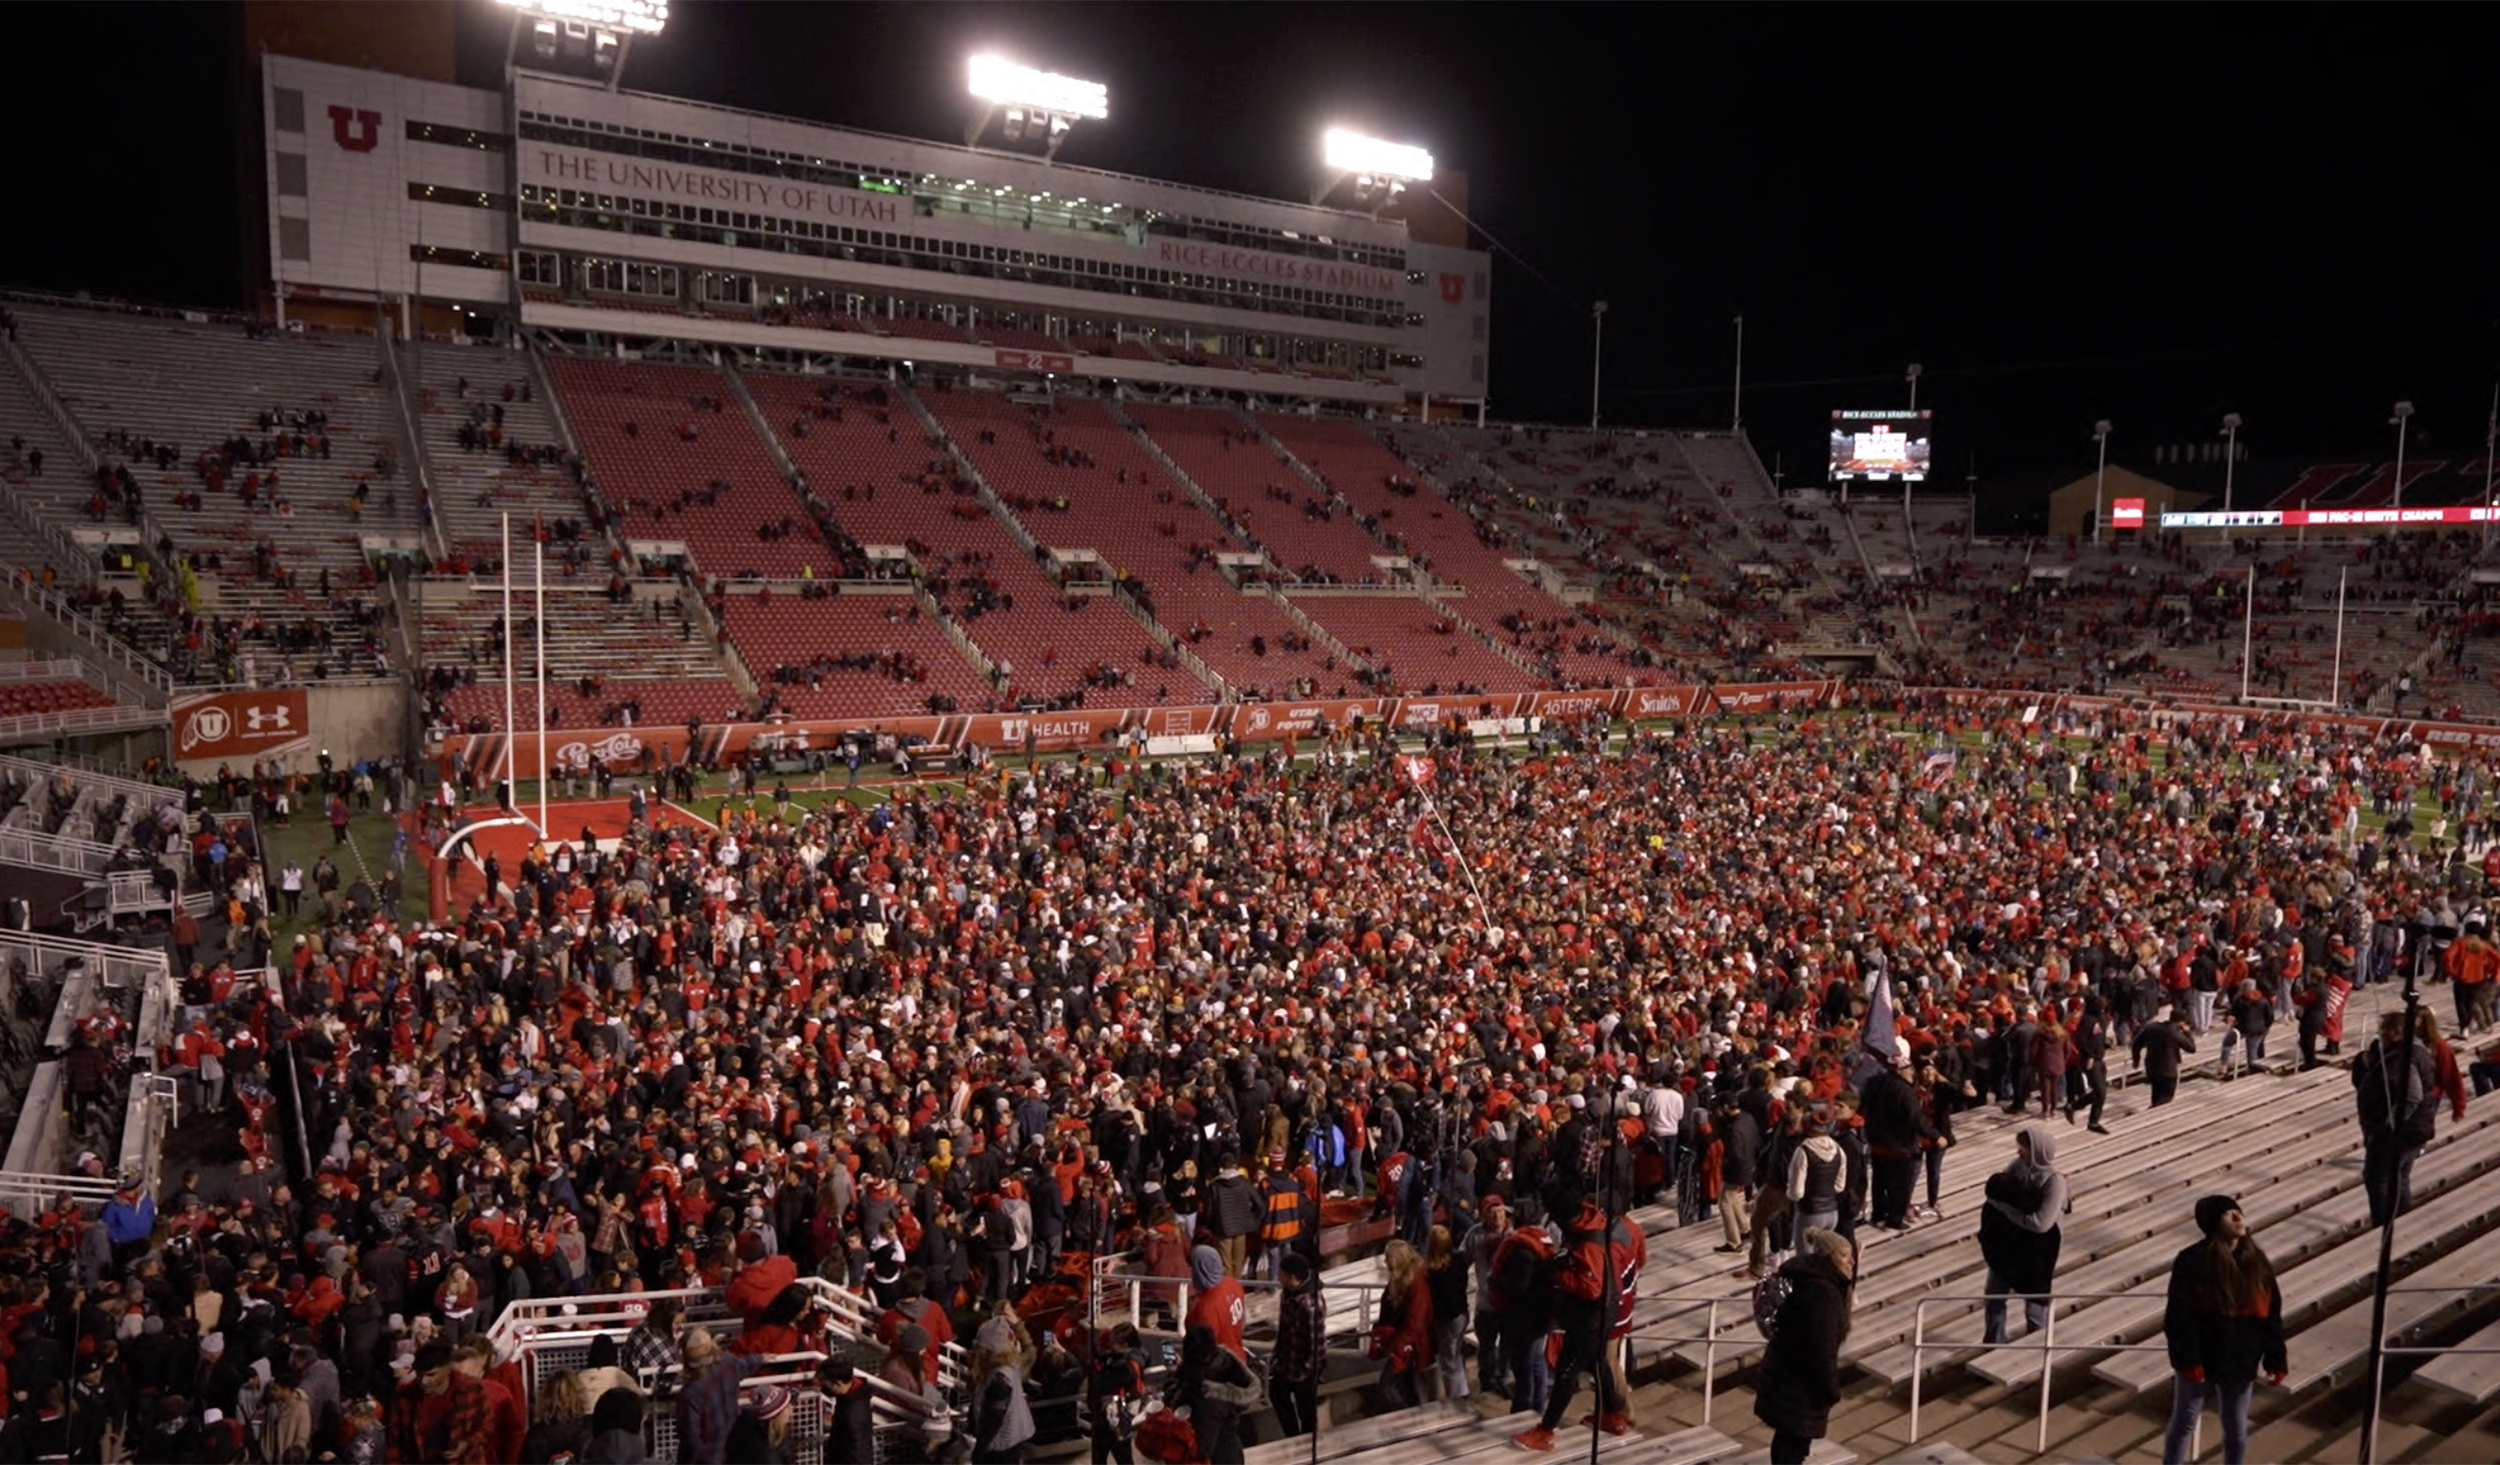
2230,457
1597,356
1916,371
2404,413
1737,422
2100,475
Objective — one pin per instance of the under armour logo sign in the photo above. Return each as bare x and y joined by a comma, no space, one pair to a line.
366,125
257,718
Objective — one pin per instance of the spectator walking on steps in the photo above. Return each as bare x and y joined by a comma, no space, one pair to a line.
2020,1231
2157,1049
1599,1266
2224,1324
1800,1379
2396,1087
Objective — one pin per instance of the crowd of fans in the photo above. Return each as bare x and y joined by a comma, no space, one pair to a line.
925,1049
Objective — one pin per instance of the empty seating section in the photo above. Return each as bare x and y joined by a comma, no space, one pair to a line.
492,448
601,656
1423,651
674,458
20,699
1080,480
907,658
265,457
888,483
1305,536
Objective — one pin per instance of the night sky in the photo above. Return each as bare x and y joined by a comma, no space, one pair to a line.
2150,213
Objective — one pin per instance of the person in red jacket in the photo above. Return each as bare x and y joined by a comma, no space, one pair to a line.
1595,1260
1402,1340
912,1308
760,1278
1216,1301
2443,1061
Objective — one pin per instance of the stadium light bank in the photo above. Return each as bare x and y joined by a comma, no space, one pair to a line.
599,31
1036,109
1377,171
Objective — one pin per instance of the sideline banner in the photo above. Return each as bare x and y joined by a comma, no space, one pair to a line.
625,748
224,726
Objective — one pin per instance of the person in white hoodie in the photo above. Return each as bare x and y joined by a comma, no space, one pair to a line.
1817,1171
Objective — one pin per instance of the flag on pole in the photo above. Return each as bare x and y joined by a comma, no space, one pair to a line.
1419,769
1881,1036
1936,768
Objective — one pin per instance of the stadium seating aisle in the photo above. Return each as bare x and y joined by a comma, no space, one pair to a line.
1243,476
1079,480
1498,600
888,483
674,458
493,449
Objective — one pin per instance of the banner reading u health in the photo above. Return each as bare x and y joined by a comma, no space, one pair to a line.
242,725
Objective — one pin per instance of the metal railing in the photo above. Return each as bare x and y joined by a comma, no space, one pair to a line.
26,586
80,722
2046,1343
50,669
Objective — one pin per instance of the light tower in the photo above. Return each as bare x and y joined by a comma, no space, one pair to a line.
1366,172
599,33
1035,110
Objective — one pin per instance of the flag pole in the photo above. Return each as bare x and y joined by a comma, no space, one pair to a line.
2335,687
538,552
511,728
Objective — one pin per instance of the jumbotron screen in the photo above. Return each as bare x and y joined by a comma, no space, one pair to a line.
1879,447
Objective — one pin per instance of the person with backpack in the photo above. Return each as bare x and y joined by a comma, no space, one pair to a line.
1217,1389
1799,1383
2223,1323
1816,1173
1601,1265
2395,1085
1523,1294
2020,1231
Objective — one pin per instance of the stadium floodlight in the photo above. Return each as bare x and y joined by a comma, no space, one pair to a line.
1347,151
597,32
617,17
1039,108
997,80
